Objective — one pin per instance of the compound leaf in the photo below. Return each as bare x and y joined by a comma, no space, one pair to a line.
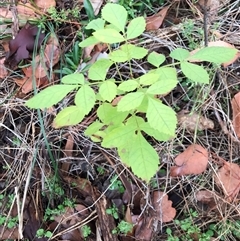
71,115
136,27
130,101
195,72
85,99
161,117
49,96
115,14
108,90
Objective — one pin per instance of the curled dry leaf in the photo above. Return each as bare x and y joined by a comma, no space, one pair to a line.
154,22
236,113
228,178
193,160
193,121
163,207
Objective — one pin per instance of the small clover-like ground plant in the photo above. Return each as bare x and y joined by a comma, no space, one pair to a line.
139,111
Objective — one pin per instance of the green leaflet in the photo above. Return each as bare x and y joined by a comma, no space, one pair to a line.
88,42
136,27
130,101
142,158
85,99
116,15
71,115
109,115
161,117
128,85
98,70
156,59
109,36
49,96
75,78
108,90
96,24
195,72
180,54
214,54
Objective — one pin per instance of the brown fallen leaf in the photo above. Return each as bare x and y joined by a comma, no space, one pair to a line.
164,212
3,69
154,22
228,178
236,113
193,160
144,229
45,5
42,64
22,45
193,121
26,83
208,198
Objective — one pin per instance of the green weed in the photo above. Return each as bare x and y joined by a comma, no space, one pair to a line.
139,109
